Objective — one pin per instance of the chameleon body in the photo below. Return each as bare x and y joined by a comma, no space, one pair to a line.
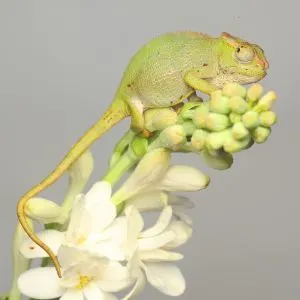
163,73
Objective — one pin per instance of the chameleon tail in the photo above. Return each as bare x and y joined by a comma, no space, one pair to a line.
115,113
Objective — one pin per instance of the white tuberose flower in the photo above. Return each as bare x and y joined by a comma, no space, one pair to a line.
151,184
90,278
148,255
93,227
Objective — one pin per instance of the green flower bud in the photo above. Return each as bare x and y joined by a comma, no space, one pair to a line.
254,93
234,89
218,160
138,147
268,118
198,139
261,134
238,105
265,103
159,118
200,115
172,136
216,122
187,111
232,145
251,119
219,103
234,117
188,127
216,140
239,131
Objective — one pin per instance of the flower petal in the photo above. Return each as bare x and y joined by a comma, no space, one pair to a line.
76,215
40,283
69,256
161,224
98,202
179,178
107,249
166,278
156,241
138,287
148,172
135,224
179,214
53,238
114,286
114,271
92,292
72,294
100,191
158,255
152,200
107,296
116,231
180,201
182,233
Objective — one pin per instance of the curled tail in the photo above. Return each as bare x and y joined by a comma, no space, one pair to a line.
115,113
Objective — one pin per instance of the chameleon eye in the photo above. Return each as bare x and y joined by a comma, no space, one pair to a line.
244,54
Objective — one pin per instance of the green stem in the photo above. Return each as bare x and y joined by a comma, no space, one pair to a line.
115,173
121,147
20,263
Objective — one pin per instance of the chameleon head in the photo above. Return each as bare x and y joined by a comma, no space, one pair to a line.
240,61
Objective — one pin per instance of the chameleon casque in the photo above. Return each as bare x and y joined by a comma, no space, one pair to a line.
163,73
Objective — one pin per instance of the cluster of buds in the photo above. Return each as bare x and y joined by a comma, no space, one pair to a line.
231,120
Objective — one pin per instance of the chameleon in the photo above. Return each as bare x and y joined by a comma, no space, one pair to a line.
162,73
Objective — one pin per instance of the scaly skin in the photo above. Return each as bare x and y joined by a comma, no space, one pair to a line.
162,73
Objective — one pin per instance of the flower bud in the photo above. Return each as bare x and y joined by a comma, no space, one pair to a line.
200,115
216,122
268,118
218,160
216,140
251,119
172,136
261,134
238,105
219,103
138,147
232,145
188,127
239,131
198,139
234,117
44,211
234,89
254,93
187,111
265,103
159,118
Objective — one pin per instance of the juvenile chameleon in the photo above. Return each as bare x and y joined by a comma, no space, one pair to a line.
163,73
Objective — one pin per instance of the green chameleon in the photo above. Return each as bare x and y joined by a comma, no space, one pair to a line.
163,73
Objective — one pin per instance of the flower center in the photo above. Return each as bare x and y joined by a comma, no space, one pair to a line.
80,240
83,281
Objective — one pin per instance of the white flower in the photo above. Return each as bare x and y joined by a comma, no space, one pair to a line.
85,278
93,227
148,252
152,183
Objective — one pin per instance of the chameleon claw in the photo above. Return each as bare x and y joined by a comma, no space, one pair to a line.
178,107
